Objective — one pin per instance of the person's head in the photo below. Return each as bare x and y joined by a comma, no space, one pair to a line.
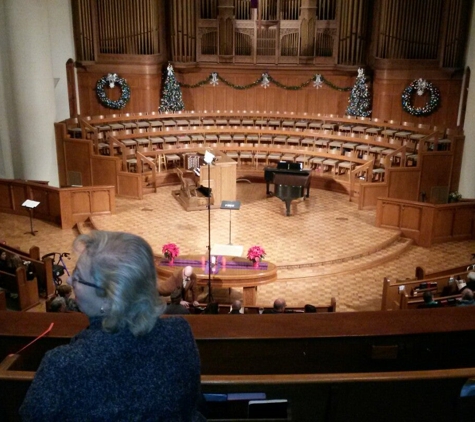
175,297
236,305
187,271
64,290
3,256
115,278
310,309
467,294
427,296
58,304
279,305
16,261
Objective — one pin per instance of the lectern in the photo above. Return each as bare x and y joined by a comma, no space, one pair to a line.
30,205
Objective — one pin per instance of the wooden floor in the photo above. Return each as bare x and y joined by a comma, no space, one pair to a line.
325,248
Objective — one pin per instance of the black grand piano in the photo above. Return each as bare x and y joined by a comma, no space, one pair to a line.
289,180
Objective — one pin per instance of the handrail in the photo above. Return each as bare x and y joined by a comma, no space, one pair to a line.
143,159
367,168
338,377
323,118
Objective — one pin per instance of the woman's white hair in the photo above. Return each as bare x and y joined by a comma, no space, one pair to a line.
122,266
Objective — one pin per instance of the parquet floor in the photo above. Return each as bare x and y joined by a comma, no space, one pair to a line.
325,248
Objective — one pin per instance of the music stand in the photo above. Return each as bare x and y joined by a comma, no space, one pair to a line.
30,205
230,205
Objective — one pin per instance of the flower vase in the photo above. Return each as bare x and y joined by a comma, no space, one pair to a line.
255,263
170,261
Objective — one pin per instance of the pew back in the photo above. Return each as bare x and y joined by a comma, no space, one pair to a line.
27,290
43,267
355,363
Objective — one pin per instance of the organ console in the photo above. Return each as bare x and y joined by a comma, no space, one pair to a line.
289,180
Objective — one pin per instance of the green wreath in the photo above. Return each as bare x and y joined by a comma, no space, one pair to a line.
111,79
420,86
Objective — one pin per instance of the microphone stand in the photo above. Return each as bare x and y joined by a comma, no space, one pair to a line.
210,294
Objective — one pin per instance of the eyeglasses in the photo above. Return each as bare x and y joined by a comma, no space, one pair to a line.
75,279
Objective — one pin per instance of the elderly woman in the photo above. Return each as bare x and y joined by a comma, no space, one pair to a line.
129,364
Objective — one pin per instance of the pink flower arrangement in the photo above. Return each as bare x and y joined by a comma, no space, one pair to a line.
256,252
170,250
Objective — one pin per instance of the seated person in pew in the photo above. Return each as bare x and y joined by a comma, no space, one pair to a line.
9,265
58,304
279,307
466,299
236,307
65,291
309,309
6,264
429,301
471,280
174,307
186,281
129,364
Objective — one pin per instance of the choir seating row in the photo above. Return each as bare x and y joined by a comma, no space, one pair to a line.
330,152
299,122
100,129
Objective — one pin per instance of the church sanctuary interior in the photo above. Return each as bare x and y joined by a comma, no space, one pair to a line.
336,135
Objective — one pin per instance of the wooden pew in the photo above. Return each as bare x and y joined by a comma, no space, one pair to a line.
422,274
339,364
365,396
3,301
256,310
292,309
27,290
43,267
392,289
408,302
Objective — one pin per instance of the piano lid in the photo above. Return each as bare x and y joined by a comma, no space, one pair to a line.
289,165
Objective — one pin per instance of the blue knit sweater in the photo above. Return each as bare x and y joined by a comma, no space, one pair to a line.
101,376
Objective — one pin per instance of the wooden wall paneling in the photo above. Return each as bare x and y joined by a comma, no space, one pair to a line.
463,223
457,149
369,194
77,204
77,157
6,203
48,209
411,217
65,199
60,133
209,97
436,171
80,202
104,170
103,201
443,225
403,183
129,185
390,214
20,195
